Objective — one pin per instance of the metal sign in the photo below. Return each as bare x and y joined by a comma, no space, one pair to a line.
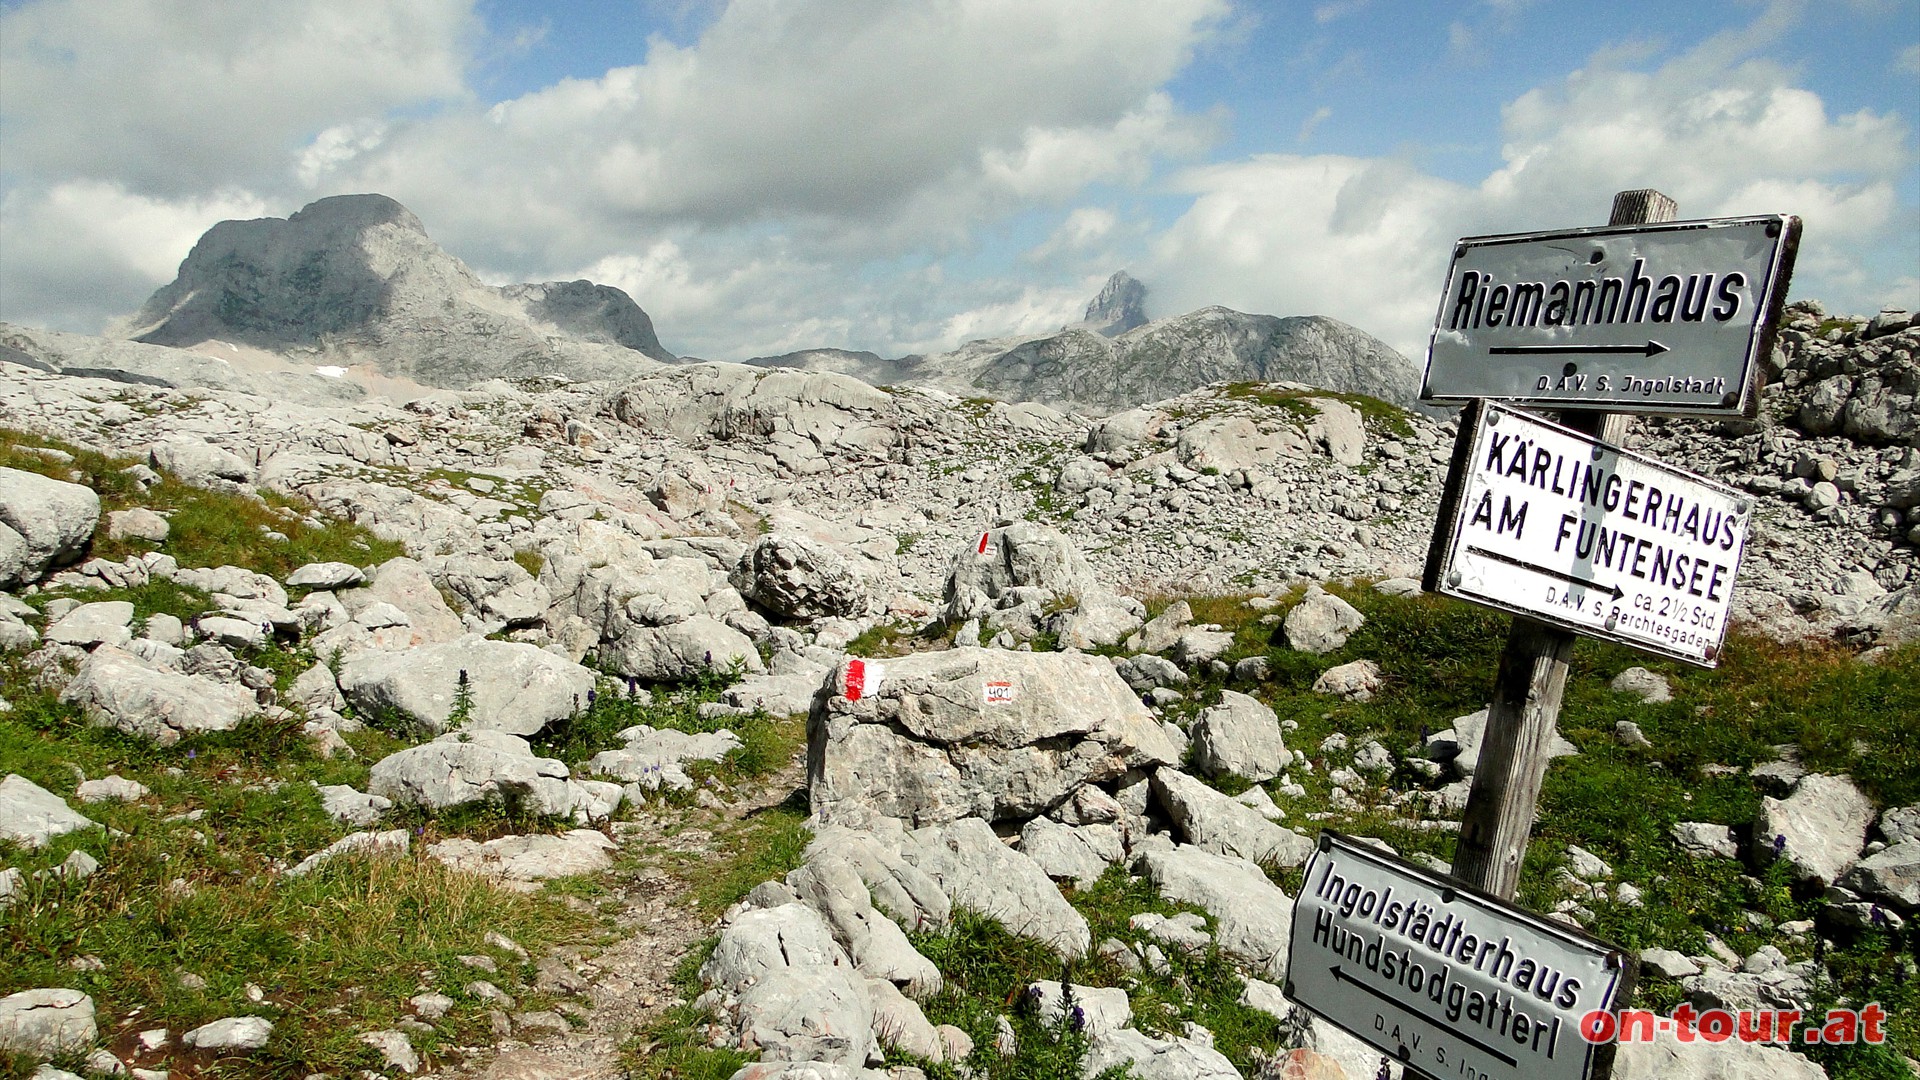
1671,318
1444,978
1542,521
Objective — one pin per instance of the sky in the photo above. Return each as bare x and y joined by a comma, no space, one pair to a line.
764,176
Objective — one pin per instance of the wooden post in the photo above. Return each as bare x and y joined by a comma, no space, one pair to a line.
1531,678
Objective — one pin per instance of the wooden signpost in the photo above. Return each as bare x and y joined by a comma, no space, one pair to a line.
1672,319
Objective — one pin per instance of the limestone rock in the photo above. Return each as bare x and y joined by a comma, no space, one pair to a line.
1892,874
475,766
200,463
109,788
977,871
1321,622
799,578
137,524
1649,687
681,651
1101,1009
1156,1059
937,736
1216,823
117,689
1240,737
1355,681
46,1022
326,575
1819,829
516,688
30,815
1016,555
233,1033
1253,918
393,840
102,623
1702,839
43,522
525,860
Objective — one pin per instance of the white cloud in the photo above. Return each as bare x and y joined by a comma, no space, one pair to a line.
858,125
83,252
170,99
1366,240
1909,60
1082,230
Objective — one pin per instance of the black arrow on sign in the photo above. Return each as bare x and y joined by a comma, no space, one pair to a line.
1651,348
1341,976
1572,579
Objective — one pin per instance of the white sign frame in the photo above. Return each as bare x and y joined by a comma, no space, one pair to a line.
1593,563
1671,318
1357,970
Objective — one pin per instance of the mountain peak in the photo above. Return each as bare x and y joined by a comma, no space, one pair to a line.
1121,306
356,279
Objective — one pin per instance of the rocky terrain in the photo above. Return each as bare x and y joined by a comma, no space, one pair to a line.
1078,690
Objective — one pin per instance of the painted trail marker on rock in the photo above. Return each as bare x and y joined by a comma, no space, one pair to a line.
1447,980
1540,520
1670,318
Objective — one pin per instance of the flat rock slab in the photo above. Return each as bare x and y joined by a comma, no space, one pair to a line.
104,622
30,815
526,860
231,1033
45,1022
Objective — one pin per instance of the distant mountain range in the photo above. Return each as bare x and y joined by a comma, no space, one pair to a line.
353,284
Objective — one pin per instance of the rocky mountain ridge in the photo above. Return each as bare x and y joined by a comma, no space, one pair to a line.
354,279
353,289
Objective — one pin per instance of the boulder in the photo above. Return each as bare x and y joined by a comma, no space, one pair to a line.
1355,681
110,788
1227,443
1253,919
1460,743
1101,619
1100,1009
1014,555
408,586
1068,853
42,1023
833,886
1818,830
1321,622
1891,874
1705,839
1239,737
137,524
657,758
681,651
103,623
43,522
349,806
30,815
200,463
117,689
1731,1059
993,733
393,841
789,989
795,577
232,1033
1339,431
1650,687
514,687
976,871
477,766
1216,823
